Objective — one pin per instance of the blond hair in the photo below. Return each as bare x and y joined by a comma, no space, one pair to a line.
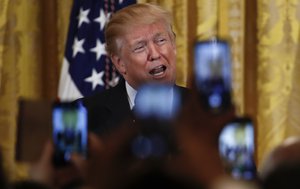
131,16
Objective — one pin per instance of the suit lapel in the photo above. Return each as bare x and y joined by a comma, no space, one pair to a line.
117,102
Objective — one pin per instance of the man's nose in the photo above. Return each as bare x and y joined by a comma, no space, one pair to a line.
153,52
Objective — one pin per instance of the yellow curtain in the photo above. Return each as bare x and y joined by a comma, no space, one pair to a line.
31,49
8,85
63,18
278,72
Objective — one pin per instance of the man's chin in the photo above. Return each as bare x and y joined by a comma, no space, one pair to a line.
164,81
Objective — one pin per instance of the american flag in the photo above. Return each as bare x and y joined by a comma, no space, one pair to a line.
86,69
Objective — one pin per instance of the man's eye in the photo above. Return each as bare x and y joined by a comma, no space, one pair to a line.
161,41
139,48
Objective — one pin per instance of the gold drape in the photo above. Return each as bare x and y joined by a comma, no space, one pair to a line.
8,71
32,37
32,47
63,17
278,72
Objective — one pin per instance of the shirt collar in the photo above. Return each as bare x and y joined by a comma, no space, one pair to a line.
131,93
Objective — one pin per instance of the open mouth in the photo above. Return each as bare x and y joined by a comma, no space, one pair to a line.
158,70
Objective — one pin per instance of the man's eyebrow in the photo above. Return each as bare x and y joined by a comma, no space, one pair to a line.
159,34
138,42
143,41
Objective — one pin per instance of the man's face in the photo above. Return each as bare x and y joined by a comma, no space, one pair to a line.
148,54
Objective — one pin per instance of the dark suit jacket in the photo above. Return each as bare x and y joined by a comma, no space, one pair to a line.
107,110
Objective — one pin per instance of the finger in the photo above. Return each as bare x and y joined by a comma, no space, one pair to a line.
95,144
95,149
48,152
80,163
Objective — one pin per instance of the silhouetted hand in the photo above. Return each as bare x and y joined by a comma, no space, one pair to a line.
109,163
43,171
197,136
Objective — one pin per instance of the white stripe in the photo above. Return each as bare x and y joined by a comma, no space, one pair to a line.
67,91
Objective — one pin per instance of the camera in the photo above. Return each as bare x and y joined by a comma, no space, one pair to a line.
69,131
212,66
156,107
236,148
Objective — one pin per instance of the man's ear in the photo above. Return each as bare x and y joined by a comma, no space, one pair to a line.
174,46
119,64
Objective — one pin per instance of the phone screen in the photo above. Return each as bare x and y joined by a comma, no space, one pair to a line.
212,66
236,147
156,107
157,101
69,122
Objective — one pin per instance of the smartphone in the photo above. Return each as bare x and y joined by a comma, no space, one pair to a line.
156,107
212,66
157,102
69,131
237,147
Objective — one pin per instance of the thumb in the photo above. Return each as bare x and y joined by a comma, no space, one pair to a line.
95,145
47,152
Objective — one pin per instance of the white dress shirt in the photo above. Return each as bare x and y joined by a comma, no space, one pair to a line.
131,93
